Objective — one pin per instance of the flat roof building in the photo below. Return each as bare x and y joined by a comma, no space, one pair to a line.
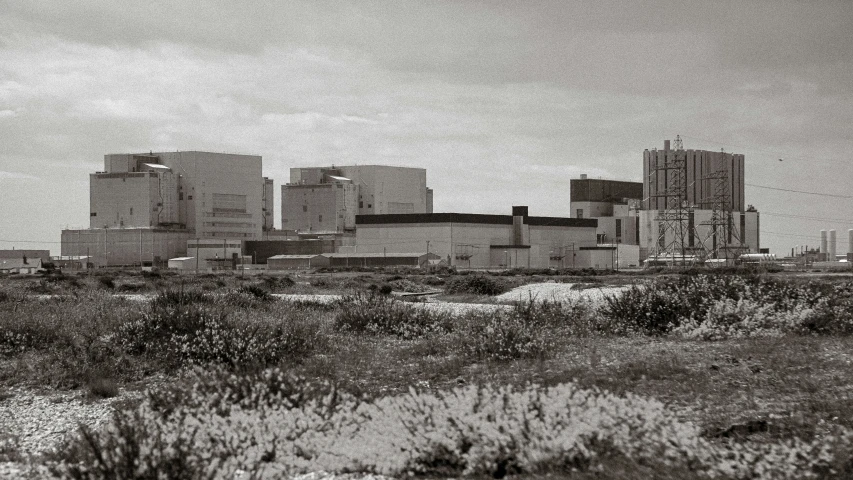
479,241
700,169
327,199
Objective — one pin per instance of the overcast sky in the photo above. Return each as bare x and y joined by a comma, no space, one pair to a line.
501,102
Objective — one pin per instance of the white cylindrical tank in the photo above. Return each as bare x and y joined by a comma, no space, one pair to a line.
831,246
823,245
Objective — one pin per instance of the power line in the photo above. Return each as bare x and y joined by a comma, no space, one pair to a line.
807,217
26,241
799,191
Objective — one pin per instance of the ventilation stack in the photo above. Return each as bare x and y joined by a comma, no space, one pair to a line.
831,246
823,250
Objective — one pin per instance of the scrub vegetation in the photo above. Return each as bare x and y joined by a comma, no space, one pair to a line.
681,376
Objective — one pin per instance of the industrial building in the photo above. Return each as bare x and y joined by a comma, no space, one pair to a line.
698,172
144,207
700,236
327,199
481,241
615,204
125,246
20,265
44,255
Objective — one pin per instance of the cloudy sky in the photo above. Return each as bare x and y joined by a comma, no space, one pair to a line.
502,102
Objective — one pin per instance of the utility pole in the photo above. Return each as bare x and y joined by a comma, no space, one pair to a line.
196,255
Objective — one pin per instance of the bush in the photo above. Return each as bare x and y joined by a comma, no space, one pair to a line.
195,334
722,306
382,314
107,282
273,425
502,336
476,284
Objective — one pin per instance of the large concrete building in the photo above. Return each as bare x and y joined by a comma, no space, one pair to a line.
481,241
327,199
700,168
209,194
615,204
742,236
144,207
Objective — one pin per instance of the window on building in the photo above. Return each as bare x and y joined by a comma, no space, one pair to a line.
618,228
93,214
360,204
579,213
304,208
226,202
369,205
181,196
189,197
320,218
131,210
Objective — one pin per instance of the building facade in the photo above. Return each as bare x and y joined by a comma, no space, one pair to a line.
327,199
208,194
708,177
480,241
129,247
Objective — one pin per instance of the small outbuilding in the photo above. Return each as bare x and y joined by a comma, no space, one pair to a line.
187,263
297,262
381,259
20,265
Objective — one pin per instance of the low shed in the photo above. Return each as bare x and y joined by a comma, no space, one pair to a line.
297,262
380,259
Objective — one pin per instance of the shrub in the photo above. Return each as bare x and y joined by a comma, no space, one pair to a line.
272,425
476,284
100,386
107,282
256,291
382,314
197,334
180,298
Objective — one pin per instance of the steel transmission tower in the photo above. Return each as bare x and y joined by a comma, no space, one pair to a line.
672,220
723,241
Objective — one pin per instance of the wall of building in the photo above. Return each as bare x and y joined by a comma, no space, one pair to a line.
700,164
328,207
214,248
115,247
44,255
263,249
386,190
217,193
268,205
618,230
745,231
477,245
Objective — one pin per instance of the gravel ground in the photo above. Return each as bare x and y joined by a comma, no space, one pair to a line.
560,292
33,423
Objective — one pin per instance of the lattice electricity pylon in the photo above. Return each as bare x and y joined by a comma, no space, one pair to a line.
723,241
672,220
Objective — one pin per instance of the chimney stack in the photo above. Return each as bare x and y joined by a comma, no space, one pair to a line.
666,145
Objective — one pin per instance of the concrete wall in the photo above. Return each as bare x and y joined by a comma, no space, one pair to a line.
112,247
123,200
328,207
384,189
268,205
470,245
627,232
201,177
745,229
699,165
214,248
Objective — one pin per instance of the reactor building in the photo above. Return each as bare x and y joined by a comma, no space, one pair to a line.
144,208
